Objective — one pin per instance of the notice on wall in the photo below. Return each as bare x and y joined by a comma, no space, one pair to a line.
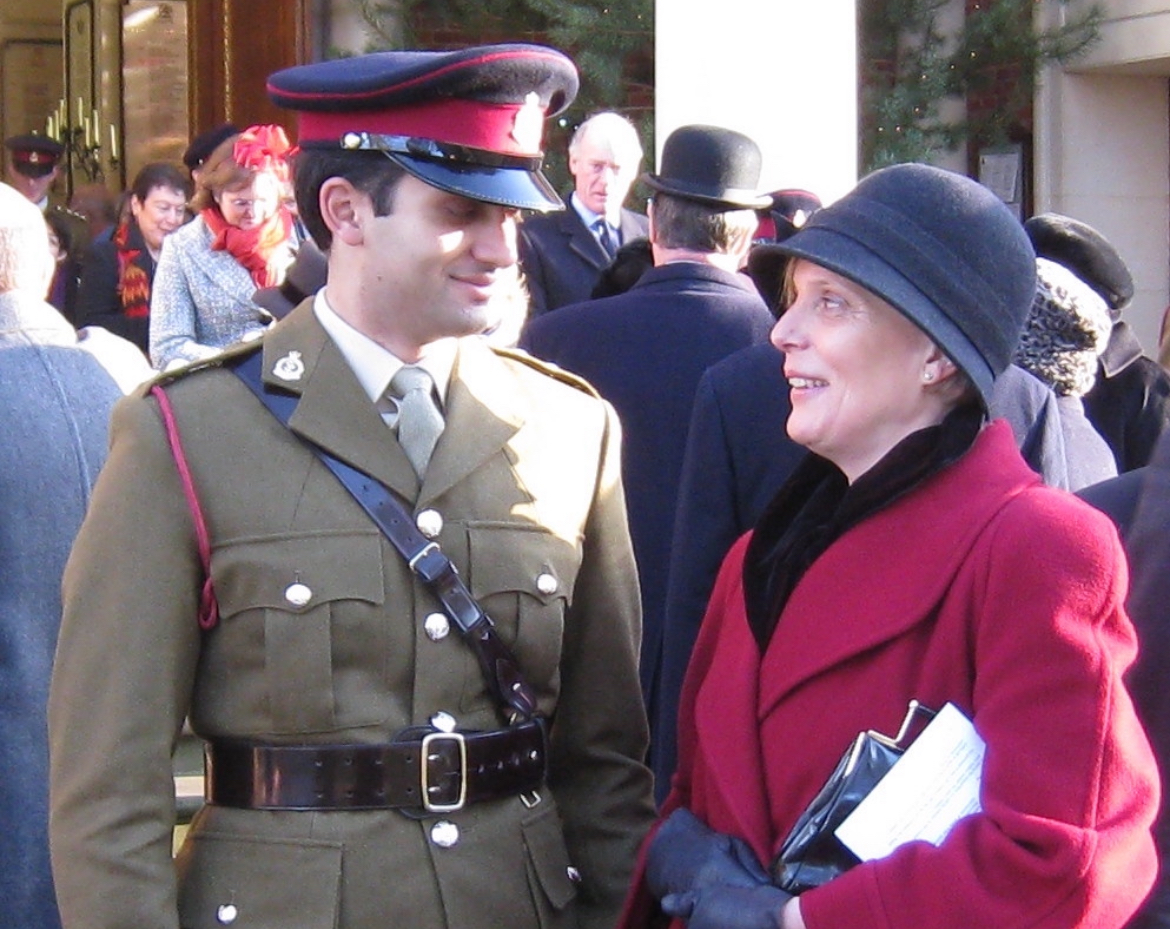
155,75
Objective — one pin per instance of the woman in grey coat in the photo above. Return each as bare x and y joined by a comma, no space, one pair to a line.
243,238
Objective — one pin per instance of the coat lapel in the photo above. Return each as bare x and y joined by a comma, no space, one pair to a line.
483,412
581,240
837,610
333,411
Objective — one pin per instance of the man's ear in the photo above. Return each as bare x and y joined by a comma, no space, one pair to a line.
342,209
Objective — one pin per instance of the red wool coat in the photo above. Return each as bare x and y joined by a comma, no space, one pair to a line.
984,588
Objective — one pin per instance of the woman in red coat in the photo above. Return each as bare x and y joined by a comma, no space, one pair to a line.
913,556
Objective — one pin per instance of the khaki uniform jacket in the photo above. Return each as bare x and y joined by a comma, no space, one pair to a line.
526,481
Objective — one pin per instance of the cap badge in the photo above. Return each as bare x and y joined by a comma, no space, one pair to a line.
290,367
529,123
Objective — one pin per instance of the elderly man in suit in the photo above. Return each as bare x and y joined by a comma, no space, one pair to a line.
419,690
56,393
645,350
563,254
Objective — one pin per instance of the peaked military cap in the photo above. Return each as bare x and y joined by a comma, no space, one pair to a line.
34,155
467,121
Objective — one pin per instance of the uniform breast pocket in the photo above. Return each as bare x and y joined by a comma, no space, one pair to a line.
258,883
300,615
523,578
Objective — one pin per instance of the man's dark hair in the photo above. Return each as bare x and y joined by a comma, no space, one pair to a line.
370,172
681,223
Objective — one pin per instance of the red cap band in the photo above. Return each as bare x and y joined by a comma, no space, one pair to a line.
507,128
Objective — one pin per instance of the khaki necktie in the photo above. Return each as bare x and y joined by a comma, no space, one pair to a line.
419,419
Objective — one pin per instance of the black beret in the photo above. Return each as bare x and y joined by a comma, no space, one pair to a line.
34,155
468,121
1085,252
205,143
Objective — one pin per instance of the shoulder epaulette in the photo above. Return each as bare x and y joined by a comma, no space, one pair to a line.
215,361
547,368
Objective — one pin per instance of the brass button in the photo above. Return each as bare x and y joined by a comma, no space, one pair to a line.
437,626
444,722
573,874
430,523
226,914
445,834
298,594
547,584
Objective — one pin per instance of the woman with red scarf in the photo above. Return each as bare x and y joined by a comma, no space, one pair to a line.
243,238
118,271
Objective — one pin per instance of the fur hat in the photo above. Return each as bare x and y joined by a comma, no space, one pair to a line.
940,248
1067,328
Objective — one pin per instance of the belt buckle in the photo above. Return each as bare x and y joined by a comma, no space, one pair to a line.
427,756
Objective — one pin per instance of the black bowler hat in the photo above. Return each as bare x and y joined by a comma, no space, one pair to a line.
305,276
205,143
940,248
468,121
34,155
710,165
1086,253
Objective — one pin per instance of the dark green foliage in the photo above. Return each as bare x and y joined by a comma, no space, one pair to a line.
909,68
611,41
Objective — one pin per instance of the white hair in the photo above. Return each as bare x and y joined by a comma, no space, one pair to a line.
25,260
618,133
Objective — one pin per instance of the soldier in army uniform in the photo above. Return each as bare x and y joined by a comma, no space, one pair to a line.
360,771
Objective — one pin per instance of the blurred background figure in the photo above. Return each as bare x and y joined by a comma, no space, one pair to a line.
1130,402
98,206
242,239
34,164
119,271
562,254
646,349
789,210
66,249
56,392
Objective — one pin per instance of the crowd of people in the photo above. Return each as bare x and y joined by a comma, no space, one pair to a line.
521,559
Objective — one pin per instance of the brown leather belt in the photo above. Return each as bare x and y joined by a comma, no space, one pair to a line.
427,771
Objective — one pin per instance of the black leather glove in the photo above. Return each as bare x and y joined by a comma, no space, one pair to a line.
685,856
724,907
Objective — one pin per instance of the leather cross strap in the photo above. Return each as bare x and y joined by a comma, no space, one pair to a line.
500,669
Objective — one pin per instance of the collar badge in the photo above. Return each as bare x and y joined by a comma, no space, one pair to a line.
290,367
528,124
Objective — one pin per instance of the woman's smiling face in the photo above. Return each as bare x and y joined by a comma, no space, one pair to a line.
859,372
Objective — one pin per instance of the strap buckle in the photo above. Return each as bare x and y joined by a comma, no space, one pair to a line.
447,752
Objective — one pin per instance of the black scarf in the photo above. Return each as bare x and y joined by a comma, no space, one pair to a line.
817,505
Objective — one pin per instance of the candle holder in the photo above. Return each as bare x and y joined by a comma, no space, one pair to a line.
84,155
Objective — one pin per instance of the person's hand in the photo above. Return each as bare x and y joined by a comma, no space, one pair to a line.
685,855
721,906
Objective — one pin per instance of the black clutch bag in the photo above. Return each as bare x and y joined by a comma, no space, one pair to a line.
812,855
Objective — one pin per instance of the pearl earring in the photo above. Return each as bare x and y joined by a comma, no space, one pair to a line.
928,376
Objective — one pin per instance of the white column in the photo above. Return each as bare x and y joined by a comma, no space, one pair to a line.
781,71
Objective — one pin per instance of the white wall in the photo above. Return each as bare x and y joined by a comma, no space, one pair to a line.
1103,149
782,71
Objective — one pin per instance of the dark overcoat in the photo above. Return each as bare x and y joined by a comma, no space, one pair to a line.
1138,502
561,257
980,587
524,492
56,393
645,351
1130,402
